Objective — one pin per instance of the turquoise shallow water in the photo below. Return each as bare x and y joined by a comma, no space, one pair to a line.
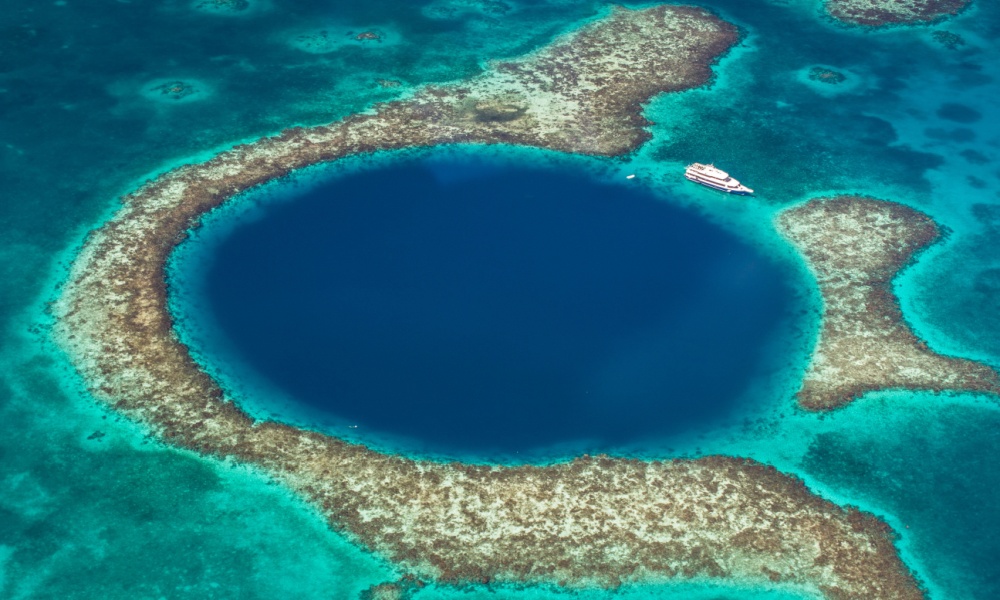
89,508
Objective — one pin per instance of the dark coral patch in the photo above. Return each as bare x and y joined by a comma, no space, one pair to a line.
825,75
974,157
174,90
948,39
959,113
960,134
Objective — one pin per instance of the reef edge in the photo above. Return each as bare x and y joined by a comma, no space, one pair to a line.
856,246
884,13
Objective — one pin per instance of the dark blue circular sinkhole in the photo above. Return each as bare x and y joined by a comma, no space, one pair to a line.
494,310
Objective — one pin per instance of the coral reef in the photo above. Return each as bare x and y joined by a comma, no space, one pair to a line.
876,13
368,36
397,590
948,39
594,521
824,75
855,247
334,38
172,90
499,109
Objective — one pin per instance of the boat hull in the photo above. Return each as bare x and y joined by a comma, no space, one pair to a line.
721,188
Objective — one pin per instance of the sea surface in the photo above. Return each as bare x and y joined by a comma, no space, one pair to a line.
475,308
96,97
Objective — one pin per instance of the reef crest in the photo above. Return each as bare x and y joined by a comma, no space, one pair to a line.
878,13
855,247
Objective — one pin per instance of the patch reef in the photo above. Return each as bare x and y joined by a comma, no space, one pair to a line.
593,521
856,247
877,13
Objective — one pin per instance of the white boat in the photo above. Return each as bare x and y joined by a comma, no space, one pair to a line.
717,179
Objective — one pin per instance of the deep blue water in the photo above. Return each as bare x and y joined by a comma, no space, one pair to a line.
496,309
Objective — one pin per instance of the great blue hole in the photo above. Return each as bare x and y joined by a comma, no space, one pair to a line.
484,310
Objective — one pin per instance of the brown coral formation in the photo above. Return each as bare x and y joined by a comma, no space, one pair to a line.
592,521
827,76
876,13
499,109
855,247
387,591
